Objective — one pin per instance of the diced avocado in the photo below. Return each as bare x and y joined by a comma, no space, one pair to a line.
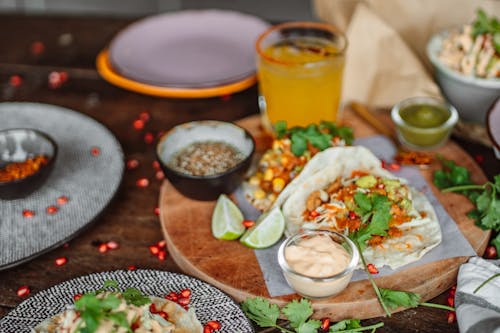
405,204
391,184
366,181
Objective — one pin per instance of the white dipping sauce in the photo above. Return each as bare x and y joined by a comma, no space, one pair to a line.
317,257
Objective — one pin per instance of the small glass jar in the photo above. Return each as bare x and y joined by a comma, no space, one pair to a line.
423,123
335,267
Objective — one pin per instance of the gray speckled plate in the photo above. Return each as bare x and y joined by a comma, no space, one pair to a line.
89,181
208,302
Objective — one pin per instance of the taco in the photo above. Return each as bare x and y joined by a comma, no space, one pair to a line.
290,151
344,189
152,315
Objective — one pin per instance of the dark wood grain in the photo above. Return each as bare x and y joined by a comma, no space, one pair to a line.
130,219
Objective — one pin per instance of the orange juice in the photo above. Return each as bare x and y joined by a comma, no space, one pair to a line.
300,80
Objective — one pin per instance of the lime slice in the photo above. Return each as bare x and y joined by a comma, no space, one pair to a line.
227,219
267,230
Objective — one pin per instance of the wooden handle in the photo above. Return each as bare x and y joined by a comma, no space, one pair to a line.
364,113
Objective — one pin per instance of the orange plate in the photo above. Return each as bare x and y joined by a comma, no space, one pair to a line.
107,72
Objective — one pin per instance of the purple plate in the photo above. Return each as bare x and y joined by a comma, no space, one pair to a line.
188,49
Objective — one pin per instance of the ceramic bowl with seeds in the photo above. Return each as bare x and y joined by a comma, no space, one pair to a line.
27,157
203,159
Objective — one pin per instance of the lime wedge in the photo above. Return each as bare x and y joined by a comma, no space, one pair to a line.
227,219
267,230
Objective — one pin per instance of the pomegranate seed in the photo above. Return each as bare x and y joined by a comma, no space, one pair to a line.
63,76
207,329
159,175
62,200
186,293
451,301
183,300
380,185
325,324
95,151
163,314
144,116
66,245
352,215
394,166
15,80
55,80
372,269
161,244
214,324
37,48
162,255
28,213
103,248
112,245
152,308
157,211
51,209
490,252
226,98
76,297
142,182
154,249
156,165
61,261
132,268
23,291
248,223
451,317
479,158
149,138
136,324
384,164
132,164
452,292
172,296
138,124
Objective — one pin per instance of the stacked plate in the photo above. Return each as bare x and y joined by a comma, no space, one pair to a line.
187,54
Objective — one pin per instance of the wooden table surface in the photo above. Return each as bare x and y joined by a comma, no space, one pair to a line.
71,45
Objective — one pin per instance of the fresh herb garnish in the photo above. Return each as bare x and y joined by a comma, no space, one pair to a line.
485,25
485,197
318,136
101,304
375,212
298,312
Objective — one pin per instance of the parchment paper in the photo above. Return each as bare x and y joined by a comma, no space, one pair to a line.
453,243
385,59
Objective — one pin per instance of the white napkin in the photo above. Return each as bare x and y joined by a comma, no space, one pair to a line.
480,311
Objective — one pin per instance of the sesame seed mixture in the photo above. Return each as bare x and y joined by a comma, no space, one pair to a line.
206,158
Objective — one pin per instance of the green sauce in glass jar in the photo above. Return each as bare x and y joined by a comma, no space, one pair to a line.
423,123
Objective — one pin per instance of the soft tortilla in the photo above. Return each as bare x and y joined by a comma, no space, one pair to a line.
184,321
420,234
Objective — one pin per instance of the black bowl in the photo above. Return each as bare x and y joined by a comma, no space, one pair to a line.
211,186
18,145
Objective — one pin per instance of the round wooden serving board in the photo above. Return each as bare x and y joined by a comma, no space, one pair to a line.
233,267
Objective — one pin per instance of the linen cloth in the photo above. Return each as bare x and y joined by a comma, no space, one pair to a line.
478,311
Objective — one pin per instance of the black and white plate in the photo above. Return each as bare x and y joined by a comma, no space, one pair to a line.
88,171
208,302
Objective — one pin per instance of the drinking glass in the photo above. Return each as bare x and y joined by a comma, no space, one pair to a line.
300,67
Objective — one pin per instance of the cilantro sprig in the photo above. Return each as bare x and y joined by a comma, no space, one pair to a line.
485,25
299,313
376,207
485,197
95,306
318,136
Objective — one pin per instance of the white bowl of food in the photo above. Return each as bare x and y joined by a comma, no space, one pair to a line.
467,69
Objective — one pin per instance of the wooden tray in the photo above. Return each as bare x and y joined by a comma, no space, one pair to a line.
233,267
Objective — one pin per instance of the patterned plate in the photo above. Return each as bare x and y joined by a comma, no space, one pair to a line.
209,302
88,171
